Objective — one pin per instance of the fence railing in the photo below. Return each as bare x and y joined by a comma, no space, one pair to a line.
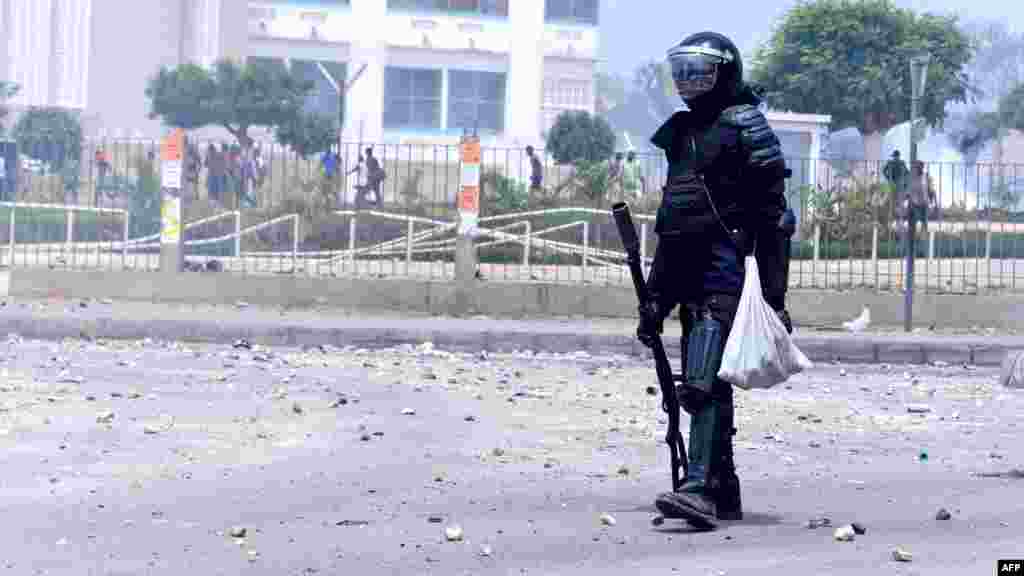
540,221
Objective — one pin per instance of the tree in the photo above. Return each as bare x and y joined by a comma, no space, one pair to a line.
578,137
8,90
849,59
237,98
1011,108
51,135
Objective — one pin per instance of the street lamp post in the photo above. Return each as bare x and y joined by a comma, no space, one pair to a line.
918,79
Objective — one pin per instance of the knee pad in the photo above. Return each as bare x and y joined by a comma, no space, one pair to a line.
704,353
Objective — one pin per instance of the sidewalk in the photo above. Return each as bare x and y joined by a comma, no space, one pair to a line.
59,319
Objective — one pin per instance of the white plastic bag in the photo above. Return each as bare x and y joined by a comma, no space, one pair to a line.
759,353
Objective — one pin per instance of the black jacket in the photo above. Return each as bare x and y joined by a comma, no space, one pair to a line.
730,148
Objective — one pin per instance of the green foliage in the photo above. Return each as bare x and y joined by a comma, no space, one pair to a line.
237,98
308,134
578,137
850,60
51,135
591,182
1011,108
504,195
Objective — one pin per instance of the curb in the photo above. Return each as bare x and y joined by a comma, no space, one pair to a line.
494,338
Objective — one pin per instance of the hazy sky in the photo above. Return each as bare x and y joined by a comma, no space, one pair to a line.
637,30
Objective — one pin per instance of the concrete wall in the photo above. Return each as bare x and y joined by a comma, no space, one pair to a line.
809,308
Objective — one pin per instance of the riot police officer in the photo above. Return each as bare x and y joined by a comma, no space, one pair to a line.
724,198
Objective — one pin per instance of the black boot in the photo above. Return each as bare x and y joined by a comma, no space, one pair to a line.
727,498
694,501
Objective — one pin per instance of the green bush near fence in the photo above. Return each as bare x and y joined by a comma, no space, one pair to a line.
966,245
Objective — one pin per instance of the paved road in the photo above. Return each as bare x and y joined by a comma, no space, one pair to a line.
524,453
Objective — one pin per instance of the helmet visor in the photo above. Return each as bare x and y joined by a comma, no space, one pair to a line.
694,74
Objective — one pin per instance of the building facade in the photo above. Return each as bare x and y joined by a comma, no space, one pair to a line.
418,71
96,55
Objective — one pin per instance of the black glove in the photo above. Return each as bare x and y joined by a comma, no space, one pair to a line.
786,321
652,321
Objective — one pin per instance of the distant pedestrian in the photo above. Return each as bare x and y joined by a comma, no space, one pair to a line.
536,170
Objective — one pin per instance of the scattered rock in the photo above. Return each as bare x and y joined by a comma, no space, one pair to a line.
918,408
943,514
454,533
498,452
352,523
901,555
815,523
297,408
238,532
624,470
486,551
844,534
160,426
435,519
408,412
105,417
842,372
858,528
607,520
339,401
470,418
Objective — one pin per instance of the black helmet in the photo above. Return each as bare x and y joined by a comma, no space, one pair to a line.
705,64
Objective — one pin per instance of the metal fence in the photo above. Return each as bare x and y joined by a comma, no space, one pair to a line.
269,211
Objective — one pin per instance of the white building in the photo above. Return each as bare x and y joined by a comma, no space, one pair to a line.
425,70
419,70
96,55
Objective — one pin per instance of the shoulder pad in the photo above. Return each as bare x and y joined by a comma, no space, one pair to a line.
743,116
757,137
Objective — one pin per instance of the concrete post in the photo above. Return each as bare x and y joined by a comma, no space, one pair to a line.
874,253
69,233
10,239
410,228
172,246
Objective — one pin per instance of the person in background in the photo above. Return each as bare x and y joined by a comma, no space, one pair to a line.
375,176
895,172
536,170
922,196
359,182
615,184
215,174
633,183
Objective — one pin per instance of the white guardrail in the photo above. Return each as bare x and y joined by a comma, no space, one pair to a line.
514,228
411,243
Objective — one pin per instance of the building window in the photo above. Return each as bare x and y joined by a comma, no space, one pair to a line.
476,100
564,94
497,8
575,11
412,98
